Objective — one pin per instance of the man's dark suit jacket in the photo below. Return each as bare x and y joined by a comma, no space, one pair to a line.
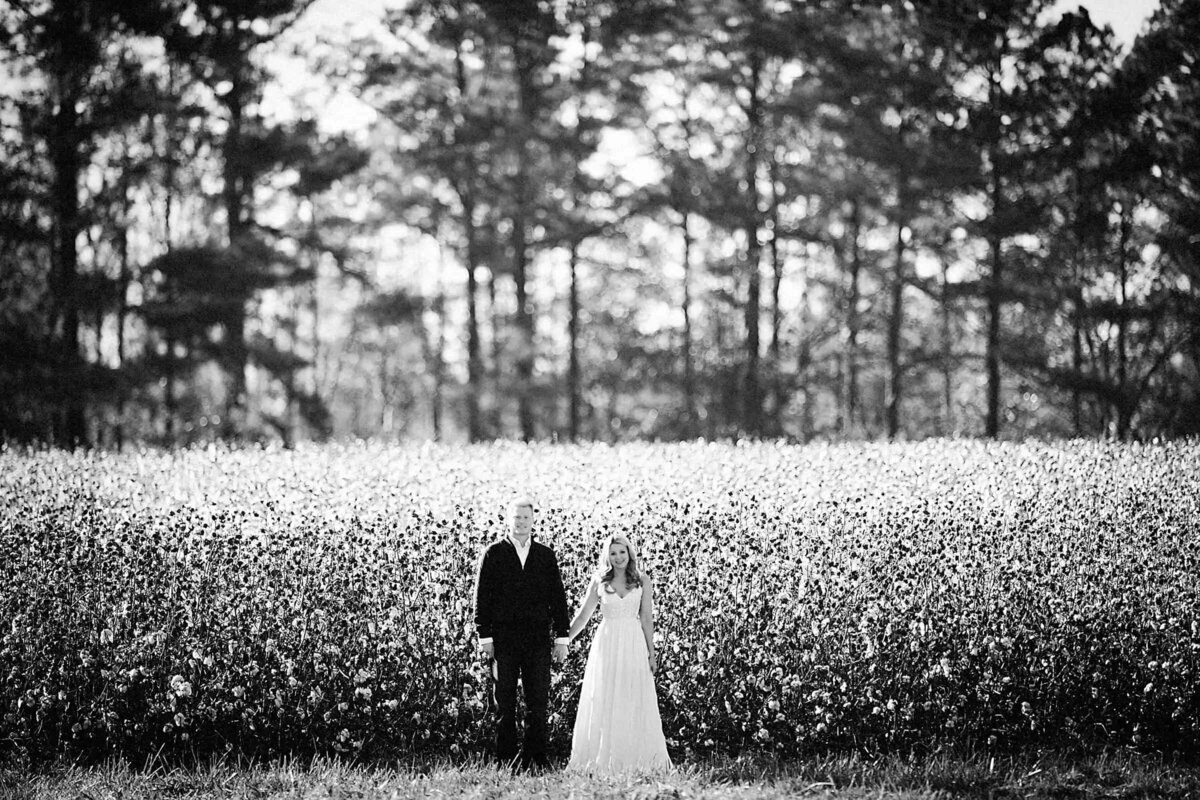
517,602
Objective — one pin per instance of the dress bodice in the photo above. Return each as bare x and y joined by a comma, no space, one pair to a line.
613,606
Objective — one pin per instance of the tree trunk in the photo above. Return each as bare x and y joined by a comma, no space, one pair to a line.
467,196
853,413
1077,311
439,349
804,362
474,362
996,276
233,194
895,328
1124,404
170,401
751,390
947,354
576,220
573,380
689,367
778,393
726,400
494,368
125,279
524,322
65,144
992,352
526,106
169,163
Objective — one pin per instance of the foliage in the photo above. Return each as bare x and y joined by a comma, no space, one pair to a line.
811,598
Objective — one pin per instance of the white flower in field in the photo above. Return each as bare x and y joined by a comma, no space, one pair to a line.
239,692
180,687
106,636
362,676
364,692
392,705
180,720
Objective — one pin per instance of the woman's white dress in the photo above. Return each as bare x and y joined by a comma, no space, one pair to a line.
617,727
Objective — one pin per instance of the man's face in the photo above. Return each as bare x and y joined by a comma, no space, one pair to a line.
522,520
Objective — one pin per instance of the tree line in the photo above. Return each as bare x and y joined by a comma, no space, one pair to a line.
599,220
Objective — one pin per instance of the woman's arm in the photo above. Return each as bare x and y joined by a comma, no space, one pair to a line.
587,609
646,615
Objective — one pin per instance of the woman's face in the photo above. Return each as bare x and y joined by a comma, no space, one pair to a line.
618,555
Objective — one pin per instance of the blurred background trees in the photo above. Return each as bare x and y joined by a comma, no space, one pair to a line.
466,219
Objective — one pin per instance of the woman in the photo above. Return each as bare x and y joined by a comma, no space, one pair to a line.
617,727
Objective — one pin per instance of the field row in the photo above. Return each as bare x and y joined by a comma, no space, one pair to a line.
814,597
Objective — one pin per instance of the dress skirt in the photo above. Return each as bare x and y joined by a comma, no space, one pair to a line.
617,726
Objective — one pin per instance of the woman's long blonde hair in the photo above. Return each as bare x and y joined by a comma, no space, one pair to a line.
605,571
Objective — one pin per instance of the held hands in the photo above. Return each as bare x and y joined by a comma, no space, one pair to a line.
489,652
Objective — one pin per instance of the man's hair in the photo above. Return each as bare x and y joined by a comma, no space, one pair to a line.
518,503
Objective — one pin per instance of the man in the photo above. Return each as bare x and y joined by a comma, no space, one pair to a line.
519,597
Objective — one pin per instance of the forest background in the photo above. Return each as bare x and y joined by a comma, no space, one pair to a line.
585,220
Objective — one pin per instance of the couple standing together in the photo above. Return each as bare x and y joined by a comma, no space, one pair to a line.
519,601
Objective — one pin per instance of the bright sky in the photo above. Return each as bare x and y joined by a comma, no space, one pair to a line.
327,16
1125,16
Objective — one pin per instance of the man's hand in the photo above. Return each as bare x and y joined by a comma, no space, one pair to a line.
488,650
560,653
